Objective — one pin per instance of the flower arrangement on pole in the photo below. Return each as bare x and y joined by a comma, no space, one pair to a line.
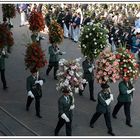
129,69
107,67
6,38
70,76
56,33
93,39
34,57
36,21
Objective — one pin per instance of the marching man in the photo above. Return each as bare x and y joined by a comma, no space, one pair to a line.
103,107
33,86
65,107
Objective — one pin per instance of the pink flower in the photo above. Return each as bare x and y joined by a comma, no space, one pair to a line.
115,63
107,63
105,73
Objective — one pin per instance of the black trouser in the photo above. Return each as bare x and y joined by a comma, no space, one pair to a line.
107,119
126,110
37,104
3,78
51,65
91,89
60,123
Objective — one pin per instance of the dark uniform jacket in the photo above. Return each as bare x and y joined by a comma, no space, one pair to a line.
2,61
30,82
54,57
123,95
67,20
34,88
87,74
77,21
64,106
34,38
102,107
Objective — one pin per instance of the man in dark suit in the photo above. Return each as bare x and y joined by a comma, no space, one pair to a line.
88,68
65,107
33,85
54,59
103,107
2,67
35,37
124,99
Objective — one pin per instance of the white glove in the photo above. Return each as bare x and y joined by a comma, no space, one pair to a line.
133,89
92,66
30,94
39,82
57,51
111,97
37,38
63,52
108,101
42,37
72,107
3,52
63,116
129,91
90,69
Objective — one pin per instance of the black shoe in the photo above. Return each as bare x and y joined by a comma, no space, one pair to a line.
47,73
27,108
75,41
129,124
91,125
111,133
39,116
55,78
92,99
5,87
114,116
80,93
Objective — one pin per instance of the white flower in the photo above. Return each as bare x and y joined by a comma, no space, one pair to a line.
86,36
75,79
88,29
65,68
68,77
71,73
95,43
94,39
77,74
66,83
90,34
101,46
93,29
101,33
61,84
73,67
81,87
107,36
91,23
